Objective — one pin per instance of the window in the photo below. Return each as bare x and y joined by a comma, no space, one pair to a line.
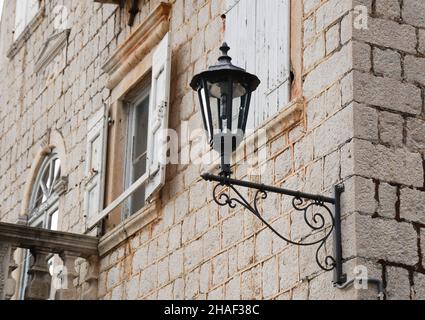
143,149
43,208
44,199
136,149
25,11
258,33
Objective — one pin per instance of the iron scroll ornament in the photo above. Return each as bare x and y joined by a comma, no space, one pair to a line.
301,202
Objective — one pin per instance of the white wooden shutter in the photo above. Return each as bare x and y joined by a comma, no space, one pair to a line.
258,33
95,165
158,116
20,16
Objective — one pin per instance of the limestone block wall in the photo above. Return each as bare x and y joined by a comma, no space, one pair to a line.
197,250
388,145
33,105
362,124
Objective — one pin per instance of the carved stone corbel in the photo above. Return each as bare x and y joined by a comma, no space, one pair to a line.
10,284
4,266
90,285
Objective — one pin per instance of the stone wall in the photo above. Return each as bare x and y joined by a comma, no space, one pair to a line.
362,125
389,144
198,250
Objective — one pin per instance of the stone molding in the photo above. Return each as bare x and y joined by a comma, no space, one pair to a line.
137,45
26,33
26,237
51,48
53,139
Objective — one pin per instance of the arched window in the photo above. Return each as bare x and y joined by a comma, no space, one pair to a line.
43,210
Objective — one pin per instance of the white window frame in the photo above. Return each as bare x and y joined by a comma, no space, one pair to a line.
40,213
132,106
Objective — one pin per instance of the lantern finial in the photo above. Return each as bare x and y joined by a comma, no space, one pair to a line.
224,59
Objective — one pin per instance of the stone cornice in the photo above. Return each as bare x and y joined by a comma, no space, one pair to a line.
49,51
27,237
137,45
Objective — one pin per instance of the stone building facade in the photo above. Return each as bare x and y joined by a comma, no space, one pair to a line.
355,115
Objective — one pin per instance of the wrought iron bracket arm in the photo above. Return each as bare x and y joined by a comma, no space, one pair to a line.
304,203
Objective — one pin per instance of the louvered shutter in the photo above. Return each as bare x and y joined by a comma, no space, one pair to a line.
257,32
95,165
158,116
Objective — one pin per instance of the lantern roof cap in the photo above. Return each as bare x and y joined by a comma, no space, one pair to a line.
226,68
225,61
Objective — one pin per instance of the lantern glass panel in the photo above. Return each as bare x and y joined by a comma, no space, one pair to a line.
215,109
219,91
211,113
205,111
235,113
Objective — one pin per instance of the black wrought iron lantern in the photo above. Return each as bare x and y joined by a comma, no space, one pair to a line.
225,95
224,92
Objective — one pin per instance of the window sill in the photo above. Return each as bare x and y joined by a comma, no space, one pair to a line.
26,34
128,228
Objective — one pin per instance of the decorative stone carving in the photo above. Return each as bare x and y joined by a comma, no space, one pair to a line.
90,286
7,266
3,268
10,283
